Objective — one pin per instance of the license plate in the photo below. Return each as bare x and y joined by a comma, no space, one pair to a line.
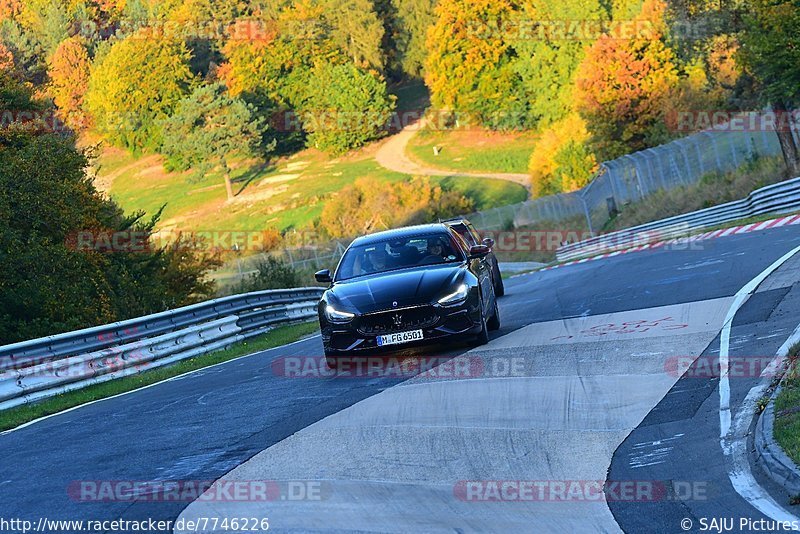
400,337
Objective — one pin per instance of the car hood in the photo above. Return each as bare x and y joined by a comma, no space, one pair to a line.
407,287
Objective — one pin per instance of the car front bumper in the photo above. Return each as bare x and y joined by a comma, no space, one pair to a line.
358,337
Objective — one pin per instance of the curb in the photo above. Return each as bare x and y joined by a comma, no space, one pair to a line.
789,220
769,454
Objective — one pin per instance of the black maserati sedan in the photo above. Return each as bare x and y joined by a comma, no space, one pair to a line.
409,286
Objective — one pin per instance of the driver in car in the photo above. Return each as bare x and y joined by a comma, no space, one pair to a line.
435,252
376,261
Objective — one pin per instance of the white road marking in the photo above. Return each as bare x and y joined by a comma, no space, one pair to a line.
733,435
656,455
760,338
689,266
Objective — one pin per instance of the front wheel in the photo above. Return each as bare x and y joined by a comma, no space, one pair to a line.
499,287
331,361
494,321
497,278
483,337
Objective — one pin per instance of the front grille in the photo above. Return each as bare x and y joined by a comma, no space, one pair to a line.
387,322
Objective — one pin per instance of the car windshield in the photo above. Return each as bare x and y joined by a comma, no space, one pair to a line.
398,253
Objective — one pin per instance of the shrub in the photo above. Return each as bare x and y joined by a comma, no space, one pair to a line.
369,205
711,190
271,273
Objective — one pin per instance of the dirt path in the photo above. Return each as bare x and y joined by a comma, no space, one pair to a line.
392,155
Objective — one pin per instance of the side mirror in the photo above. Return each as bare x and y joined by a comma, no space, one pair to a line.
323,276
489,242
479,251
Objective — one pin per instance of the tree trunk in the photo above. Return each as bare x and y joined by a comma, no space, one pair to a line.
228,186
783,125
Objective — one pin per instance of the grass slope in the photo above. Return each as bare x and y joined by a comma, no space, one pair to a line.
474,150
288,195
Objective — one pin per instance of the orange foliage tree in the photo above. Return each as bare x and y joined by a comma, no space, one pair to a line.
6,59
623,86
69,79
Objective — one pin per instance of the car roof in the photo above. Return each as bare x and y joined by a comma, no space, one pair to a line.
399,233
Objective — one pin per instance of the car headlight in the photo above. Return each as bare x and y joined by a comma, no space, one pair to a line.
459,295
337,316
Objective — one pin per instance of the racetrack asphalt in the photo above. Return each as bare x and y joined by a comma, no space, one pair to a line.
203,425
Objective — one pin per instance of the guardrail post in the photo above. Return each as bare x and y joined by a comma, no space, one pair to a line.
588,215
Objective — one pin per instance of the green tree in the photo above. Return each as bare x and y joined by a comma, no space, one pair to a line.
135,86
27,50
49,20
470,65
413,20
549,38
344,107
54,282
771,54
208,129
357,30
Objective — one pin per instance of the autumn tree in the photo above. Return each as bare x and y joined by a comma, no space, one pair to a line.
562,159
623,85
209,129
69,79
6,59
272,72
369,205
771,54
136,85
470,68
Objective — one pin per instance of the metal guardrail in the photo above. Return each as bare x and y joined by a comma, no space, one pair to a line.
783,197
40,368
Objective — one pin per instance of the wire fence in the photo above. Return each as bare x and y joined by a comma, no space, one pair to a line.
634,176
303,259
629,178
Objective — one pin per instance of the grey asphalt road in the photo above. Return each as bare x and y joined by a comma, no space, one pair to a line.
200,426
678,442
